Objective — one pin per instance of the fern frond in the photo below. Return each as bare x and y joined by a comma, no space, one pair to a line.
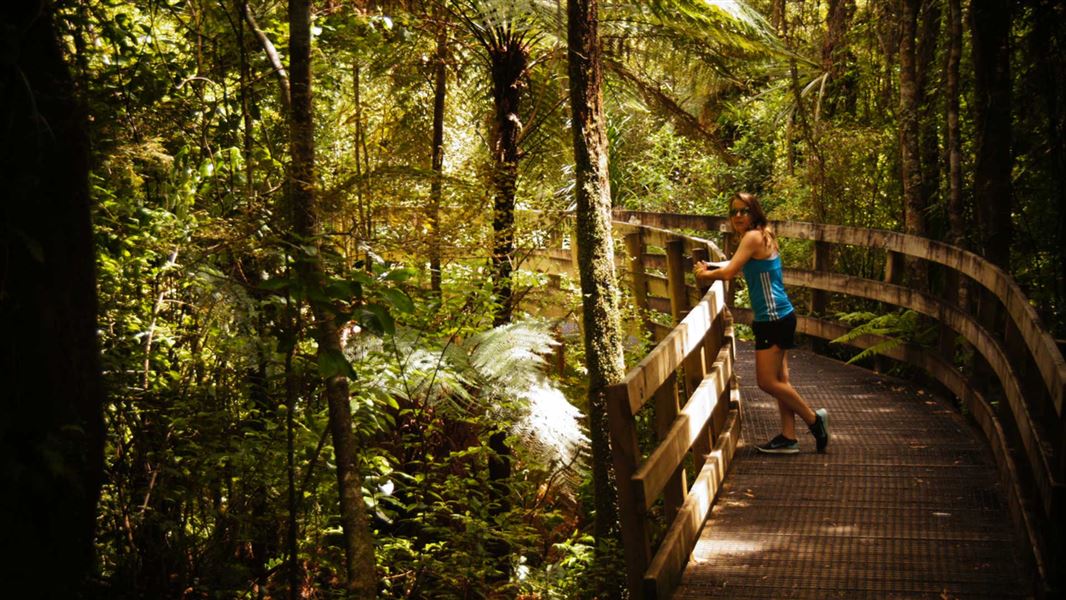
510,359
879,348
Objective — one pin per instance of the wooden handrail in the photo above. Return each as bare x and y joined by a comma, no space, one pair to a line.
1037,414
689,378
1041,345
684,358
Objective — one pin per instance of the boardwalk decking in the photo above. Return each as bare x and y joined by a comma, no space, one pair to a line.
905,504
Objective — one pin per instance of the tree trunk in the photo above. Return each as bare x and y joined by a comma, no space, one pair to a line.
910,157
956,219
837,57
440,88
595,251
508,66
928,144
1047,32
358,543
778,16
990,21
52,431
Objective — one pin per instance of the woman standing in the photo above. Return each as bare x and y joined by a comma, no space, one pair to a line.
774,323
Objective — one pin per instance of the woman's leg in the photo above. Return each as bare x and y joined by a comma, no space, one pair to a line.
771,373
788,416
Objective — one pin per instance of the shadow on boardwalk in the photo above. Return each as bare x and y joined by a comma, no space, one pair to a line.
905,503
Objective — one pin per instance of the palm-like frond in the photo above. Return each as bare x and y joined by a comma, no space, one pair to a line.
680,56
499,373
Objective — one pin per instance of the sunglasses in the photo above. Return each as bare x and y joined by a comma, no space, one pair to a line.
737,212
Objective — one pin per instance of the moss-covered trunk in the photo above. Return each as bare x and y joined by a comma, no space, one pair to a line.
595,252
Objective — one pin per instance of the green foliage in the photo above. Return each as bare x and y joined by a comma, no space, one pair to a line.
905,326
205,328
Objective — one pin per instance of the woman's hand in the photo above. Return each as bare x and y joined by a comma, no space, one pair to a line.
702,270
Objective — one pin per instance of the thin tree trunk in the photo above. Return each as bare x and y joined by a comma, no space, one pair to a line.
272,55
290,454
508,66
778,16
362,162
599,291
246,113
990,21
836,57
440,89
52,431
928,144
910,158
361,581
1047,32
956,219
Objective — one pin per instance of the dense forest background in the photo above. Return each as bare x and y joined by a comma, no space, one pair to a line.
306,364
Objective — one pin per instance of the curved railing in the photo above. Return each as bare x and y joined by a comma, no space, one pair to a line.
695,358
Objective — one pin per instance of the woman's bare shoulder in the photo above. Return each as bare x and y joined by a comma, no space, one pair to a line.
762,243
752,236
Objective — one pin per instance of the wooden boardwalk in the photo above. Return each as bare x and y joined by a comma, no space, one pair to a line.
905,504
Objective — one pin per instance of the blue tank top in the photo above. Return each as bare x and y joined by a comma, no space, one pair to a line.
766,289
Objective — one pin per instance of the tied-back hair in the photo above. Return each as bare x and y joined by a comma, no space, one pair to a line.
758,216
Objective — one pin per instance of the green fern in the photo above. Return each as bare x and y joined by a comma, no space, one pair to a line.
898,329
499,373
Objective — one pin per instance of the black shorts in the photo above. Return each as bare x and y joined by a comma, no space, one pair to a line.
780,333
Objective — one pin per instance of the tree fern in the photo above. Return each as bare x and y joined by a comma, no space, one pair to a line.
498,374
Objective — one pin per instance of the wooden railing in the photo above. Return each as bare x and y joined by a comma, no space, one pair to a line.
1015,394
687,381
1027,432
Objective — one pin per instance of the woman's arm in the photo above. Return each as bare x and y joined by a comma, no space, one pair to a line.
704,272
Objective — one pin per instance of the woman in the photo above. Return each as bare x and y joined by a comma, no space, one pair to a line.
774,323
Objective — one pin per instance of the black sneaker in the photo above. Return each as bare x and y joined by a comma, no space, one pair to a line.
820,429
779,445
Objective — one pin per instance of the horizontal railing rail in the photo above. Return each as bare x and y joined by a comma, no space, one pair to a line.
687,380
1002,327
1018,362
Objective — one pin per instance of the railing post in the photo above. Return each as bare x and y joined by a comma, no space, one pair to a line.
625,454
729,247
699,254
675,273
666,410
820,298
947,334
695,366
639,284
893,267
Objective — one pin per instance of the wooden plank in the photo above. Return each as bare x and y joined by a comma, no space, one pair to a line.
659,304
637,279
822,260
625,454
660,331
1032,444
675,274
642,380
655,261
664,572
657,285
671,220
547,264
980,411
656,470
693,294
666,410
